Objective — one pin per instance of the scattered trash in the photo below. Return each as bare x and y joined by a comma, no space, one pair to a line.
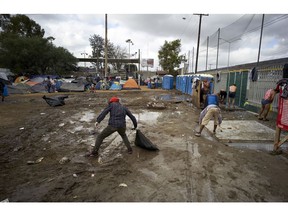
30,162
156,105
61,125
142,141
64,160
92,175
22,128
55,101
39,160
42,113
75,175
35,162
100,160
122,185
18,148
5,200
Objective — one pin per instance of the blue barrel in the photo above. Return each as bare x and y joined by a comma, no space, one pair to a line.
168,81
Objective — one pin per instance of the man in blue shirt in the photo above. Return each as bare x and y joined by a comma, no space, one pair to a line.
116,122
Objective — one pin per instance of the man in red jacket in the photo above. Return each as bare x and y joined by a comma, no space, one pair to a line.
116,122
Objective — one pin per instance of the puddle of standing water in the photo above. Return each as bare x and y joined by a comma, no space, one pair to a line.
267,147
169,97
148,117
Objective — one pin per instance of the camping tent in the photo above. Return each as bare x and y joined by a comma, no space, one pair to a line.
130,84
101,85
115,86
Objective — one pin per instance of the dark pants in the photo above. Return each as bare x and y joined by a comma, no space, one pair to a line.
107,132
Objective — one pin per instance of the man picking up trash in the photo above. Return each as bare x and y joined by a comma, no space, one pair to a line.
116,122
211,111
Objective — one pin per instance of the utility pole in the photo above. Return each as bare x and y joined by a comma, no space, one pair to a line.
218,48
199,33
192,59
106,43
260,39
207,52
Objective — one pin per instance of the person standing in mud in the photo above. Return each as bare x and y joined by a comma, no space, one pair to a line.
232,95
266,102
211,111
116,122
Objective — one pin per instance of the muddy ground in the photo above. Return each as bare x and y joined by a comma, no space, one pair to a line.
35,137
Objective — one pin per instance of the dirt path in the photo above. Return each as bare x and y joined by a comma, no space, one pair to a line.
186,169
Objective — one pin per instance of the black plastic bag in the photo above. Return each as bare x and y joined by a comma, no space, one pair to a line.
55,101
142,141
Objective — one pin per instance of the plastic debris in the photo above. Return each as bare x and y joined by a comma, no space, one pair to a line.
122,185
5,200
22,128
35,162
92,175
39,160
61,125
64,160
75,175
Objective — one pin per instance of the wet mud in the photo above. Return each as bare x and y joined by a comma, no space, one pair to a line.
42,154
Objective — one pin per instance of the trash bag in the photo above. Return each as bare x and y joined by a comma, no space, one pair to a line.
55,101
142,141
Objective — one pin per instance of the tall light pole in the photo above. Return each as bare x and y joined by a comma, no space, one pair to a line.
199,32
129,41
84,53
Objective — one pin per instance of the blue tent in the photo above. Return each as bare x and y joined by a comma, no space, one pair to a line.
115,86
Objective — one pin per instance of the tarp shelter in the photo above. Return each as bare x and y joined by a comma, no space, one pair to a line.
115,86
4,80
39,87
72,87
130,84
20,88
101,85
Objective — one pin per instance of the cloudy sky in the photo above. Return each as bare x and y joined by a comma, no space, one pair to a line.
151,24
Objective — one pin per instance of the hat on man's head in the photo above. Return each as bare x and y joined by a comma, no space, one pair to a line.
114,99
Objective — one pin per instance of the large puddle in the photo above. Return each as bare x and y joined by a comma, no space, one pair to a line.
169,97
267,147
148,117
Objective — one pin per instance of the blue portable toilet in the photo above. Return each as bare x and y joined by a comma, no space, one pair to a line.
168,81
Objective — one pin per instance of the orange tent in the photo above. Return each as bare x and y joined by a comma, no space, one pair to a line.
21,79
130,84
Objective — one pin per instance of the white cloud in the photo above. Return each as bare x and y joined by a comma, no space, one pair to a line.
73,23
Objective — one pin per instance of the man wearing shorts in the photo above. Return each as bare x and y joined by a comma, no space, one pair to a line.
266,102
211,111
232,95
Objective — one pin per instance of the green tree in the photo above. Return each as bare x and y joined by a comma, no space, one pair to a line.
169,57
24,50
97,44
22,26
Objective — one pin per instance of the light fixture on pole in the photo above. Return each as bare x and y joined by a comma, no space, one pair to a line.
129,41
84,53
